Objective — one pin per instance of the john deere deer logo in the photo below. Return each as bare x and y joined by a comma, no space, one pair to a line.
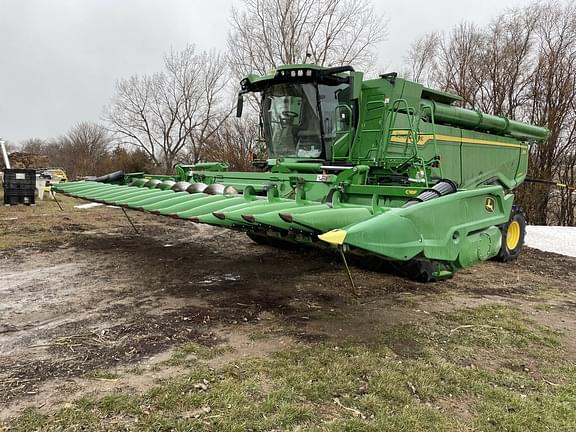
490,205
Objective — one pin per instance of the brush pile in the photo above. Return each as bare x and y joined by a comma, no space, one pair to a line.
26,160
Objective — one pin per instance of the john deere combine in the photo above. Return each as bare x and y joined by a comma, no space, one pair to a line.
380,168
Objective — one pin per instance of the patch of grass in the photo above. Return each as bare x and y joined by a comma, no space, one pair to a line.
545,293
453,372
191,351
136,370
78,413
102,374
270,331
46,226
493,334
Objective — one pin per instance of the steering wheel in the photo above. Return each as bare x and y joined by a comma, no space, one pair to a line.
289,114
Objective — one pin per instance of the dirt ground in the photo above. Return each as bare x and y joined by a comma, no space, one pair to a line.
88,306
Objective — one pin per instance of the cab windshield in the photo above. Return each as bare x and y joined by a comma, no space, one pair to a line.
303,120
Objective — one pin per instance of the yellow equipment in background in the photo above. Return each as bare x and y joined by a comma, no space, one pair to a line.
54,175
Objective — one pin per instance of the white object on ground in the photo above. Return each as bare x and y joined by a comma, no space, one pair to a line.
558,239
88,205
92,205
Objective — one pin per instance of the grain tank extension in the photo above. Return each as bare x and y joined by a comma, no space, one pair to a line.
383,168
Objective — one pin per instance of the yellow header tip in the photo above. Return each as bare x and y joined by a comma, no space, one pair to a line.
335,237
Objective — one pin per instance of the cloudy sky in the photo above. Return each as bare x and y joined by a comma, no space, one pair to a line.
59,59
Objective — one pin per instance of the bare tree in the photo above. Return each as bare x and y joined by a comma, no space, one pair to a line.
129,160
84,150
552,100
489,67
565,198
180,107
504,70
523,66
34,145
237,144
421,59
268,33
460,55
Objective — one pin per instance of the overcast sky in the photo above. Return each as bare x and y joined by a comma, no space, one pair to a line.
60,59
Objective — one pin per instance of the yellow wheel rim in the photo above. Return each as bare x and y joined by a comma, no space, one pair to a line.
513,235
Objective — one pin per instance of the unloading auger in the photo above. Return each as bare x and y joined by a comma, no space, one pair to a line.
381,168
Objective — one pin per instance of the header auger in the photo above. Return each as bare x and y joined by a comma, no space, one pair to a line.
382,167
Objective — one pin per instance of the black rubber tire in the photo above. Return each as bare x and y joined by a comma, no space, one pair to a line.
425,271
505,254
257,238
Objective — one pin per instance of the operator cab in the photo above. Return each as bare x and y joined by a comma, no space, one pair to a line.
304,112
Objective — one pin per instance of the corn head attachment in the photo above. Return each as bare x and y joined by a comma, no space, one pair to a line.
381,168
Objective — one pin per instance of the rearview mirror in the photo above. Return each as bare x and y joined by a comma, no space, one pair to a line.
356,84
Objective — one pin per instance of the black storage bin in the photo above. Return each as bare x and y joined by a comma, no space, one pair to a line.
19,186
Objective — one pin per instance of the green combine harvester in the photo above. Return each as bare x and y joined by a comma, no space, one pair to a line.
382,168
